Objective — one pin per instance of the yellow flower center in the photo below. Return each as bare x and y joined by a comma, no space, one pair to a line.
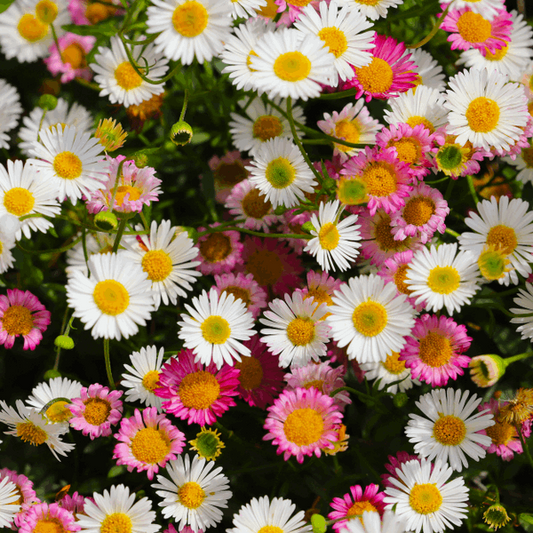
370,318
122,190
49,525
46,11
501,433
415,120
251,375
150,380
215,248
116,523
368,2
358,508
255,205
503,238
240,294
58,412
335,40
473,27
29,432
126,76
329,236
408,149
301,331
280,173
157,264
96,411
74,55
349,130
449,430
492,263
270,529
292,66
376,77
31,28
249,61
444,280
17,320
191,495
303,427
190,19
265,266
111,297
270,10
418,210
435,350
351,190
318,384
393,365
67,165
483,114
320,296
215,329
425,498
380,179
267,127
399,279
498,54
150,445
97,12
199,390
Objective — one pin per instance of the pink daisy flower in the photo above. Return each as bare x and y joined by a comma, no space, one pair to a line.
260,378
96,410
194,392
91,12
228,170
220,251
21,313
147,441
321,287
355,503
472,30
390,72
137,187
39,516
244,287
295,8
75,503
71,62
423,214
434,350
394,463
302,422
385,178
292,222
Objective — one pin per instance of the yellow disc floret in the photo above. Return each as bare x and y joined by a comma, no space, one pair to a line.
377,77
199,390
157,264
111,297
449,430
444,280
303,427
96,411
483,114
292,66
31,28
280,173
215,329
267,127
473,27
335,40
425,498
67,165
190,19
329,236
435,349
116,523
301,331
17,320
29,432
370,318
126,77
150,445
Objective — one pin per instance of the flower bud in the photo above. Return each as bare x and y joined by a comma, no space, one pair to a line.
106,221
496,516
47,102
181,133
64,342
52,373
486,370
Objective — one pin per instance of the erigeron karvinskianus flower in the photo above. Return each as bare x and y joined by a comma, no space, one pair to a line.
9,112
9,506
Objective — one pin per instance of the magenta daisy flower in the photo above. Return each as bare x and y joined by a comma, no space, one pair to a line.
302,422
220,251
137,187
393,464
384,176
194,392
21,313
245,288
147,441
40,516
96,410
390,72
471,30
354,503
434,350
75,503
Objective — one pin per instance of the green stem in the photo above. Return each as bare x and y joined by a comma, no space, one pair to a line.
108,365
449,189
451,232
340,94
120,232
56,41
509,360
51,250
470,180
433,31
115,187
184,107
65,328
218,229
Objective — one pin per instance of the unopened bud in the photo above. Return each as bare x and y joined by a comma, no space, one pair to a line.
64,342
106,221
47,102
52,373
486,370
496,516
400,399
181,133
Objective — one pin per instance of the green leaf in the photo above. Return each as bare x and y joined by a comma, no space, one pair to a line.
105,29
4,4
116,470
526,517
319,523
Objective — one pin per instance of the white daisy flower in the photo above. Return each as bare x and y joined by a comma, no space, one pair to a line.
117,78
190,29
295,330
288,65
10,111
486,109
336,243
29,426
167,257
7,243
449,431
523,163
371,522
94,244
22,193
507,225
525,301
115,300
141,382
369,318
280,172
487,8
425,499
9,496
116,510
261,124
247,8
343,32
439,278
70,161
62,115
430,73
373,9
264,515
391,370
215,326
195,493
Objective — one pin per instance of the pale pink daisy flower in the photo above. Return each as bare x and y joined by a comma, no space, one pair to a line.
228,170
302,422
394,463
194,392
40,516
96,410
321,376
390,72
384,176
422,215
292,222
21,313
434,350
75,503
70,61
354,503
292,9
147,441
472,30
320,287
220,251
86,12
245,288
137,187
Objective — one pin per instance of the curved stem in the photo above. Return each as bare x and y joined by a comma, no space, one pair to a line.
184,107
120,232
472,188
108,365
218,229
51,250
520,356
433,31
